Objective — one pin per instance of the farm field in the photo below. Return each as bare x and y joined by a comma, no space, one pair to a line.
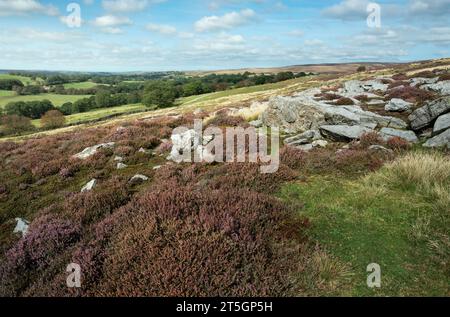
82,85
23,79
57,100
100,114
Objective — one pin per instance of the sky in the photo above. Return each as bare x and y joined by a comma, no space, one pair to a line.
163,35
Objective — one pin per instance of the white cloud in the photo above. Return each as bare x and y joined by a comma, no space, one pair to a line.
128,5
347,9
20,7
227,21
431,7
111,21
296,33
222,42
162,28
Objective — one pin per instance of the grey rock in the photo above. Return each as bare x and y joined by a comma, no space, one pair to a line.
303,138
305,147
423,116
421,81
89,186
320,143
21,226
442,87
139,177
157,167
344,132
409,136
256,123
442,123
121,166
441,140
118,159
380,148
89,151
398,105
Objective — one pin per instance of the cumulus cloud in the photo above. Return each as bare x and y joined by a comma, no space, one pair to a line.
20,7
431,7
111,21
227,21
347,10
162,29
128,5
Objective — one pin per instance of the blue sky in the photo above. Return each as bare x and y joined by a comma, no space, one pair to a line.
151,35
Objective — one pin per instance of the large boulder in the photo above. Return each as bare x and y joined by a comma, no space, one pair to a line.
303,138
189,142
292,115
344,132
409,136
425,115
422,81
398,105
89,151
441,140
442,123
353,88
442,87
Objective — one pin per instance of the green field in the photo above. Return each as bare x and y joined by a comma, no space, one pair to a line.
82,85
99,114
57,100
23,79
382,218
6,93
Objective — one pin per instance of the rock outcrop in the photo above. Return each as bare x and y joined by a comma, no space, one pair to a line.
398,105
441,140
344,132
409,136
21,226
425,115
89,151
442,124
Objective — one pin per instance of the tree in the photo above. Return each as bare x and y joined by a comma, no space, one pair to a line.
159,93
361,69
14,124
53,119
103,99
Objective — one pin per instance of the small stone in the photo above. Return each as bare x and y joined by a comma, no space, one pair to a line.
21,226
139,177
89,186
118,159
121,166
320,143
157,167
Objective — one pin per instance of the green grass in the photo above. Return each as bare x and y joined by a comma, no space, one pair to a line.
23,79
399,228
57,100
6,93
82,85
232,92
99,114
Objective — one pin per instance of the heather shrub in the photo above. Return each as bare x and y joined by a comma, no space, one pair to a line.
400,76
222,243
355,161
362,98
398,83
46,238
344,101
224,120
412,94
328,96
370,138
445,76
398,144
424,74
94,205
292,157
